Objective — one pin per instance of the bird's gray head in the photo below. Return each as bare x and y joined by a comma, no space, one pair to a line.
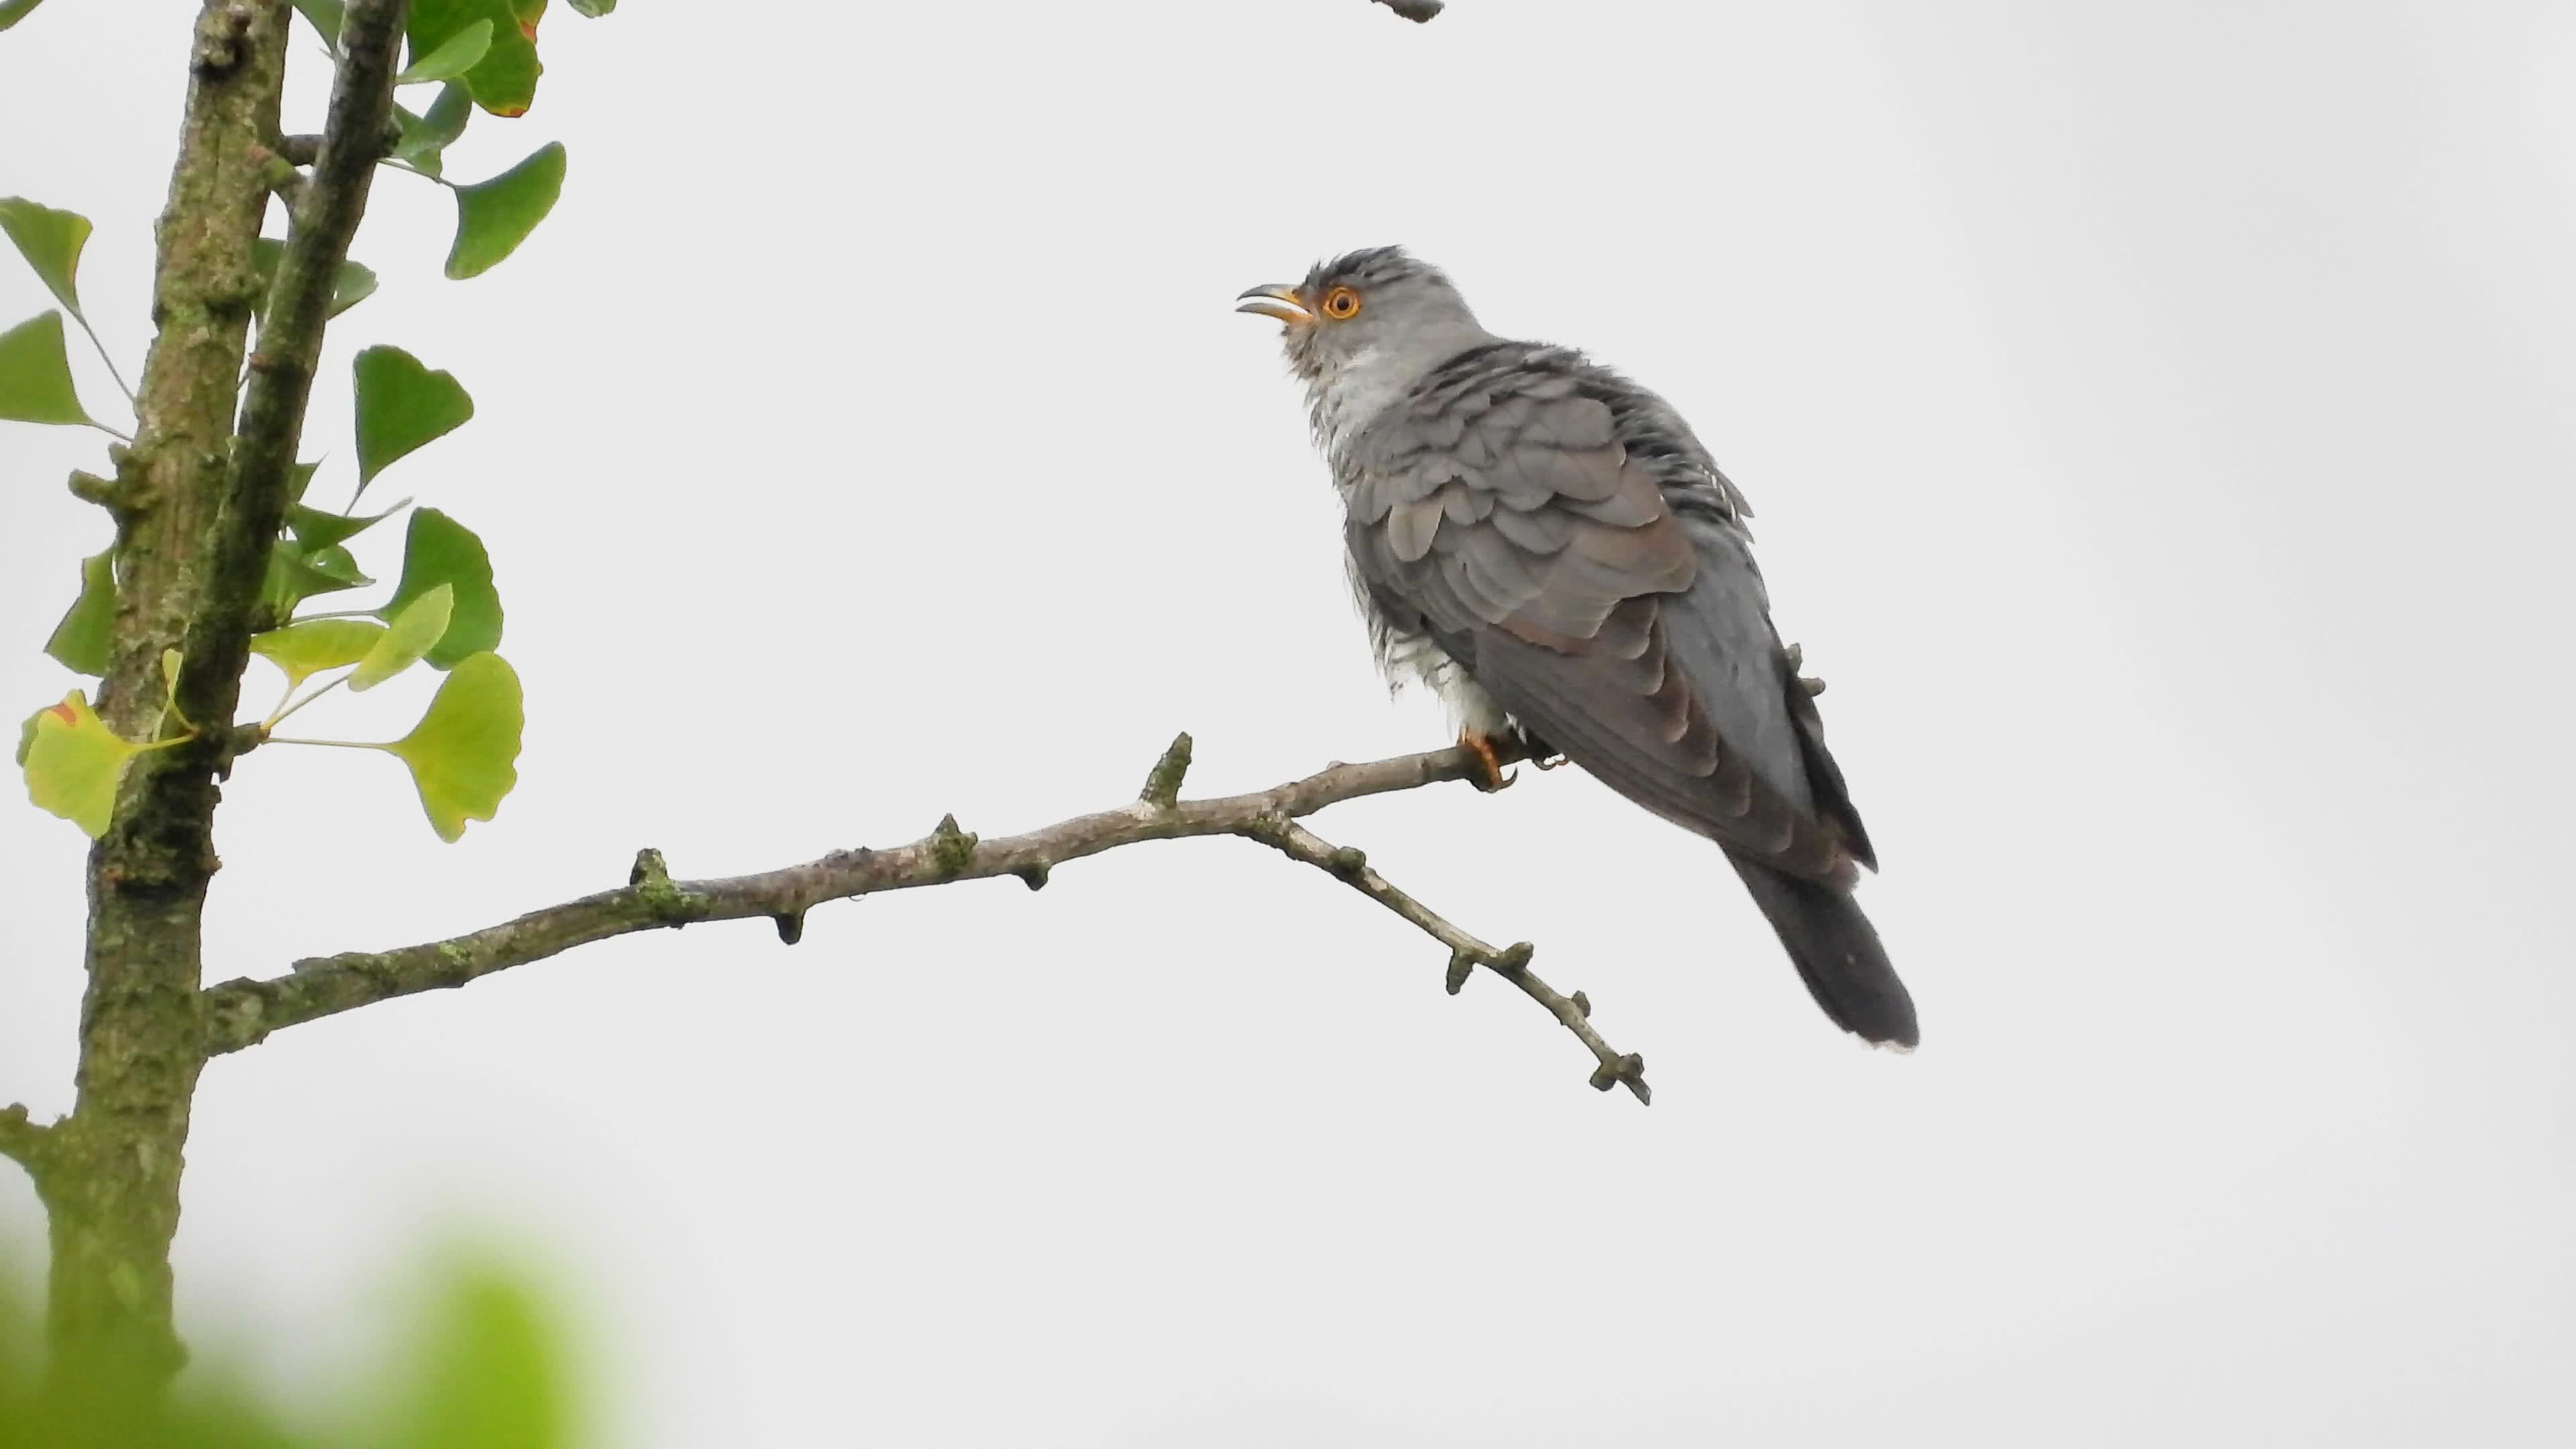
1380,307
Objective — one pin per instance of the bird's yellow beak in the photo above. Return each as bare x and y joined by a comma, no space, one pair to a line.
1278,300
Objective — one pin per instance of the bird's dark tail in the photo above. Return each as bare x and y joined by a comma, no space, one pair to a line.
1837,952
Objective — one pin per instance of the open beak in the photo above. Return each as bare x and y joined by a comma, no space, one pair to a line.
1277,300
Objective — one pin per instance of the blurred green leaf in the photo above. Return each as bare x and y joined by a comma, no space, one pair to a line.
299,478
306,649
453,58
13,11
72,763
420,625
462,754
439,552
482,1362
428,134
80,641
504,81
402,405
51,241
493,217
316,528
350,285
325,16
487,1374
593,8
35,376
296,574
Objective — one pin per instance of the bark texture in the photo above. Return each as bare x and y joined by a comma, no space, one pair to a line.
197,506
110,1176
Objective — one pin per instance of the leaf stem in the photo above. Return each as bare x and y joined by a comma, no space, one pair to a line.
328,744
401,165
288,709
118,377
117,433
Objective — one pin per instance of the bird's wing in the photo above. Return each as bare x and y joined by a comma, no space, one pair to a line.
1514,524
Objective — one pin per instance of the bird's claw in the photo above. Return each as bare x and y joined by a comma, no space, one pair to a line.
1797,659
1539,752
1490,775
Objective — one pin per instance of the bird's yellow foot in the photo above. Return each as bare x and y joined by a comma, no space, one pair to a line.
1490,776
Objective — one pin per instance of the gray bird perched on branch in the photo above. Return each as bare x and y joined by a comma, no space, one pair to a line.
1548,547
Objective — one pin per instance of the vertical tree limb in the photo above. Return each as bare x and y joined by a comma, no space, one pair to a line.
195,519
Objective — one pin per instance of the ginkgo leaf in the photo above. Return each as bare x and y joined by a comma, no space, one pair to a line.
439,552
51,241
72,762
80,641
493,217
402,405
413,632
463,754
454,56
306,649
487,1370
296,574
350,285
326,16
426,136
504,80
319,528
36,376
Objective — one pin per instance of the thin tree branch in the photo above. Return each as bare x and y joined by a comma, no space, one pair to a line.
323,211
243,1012
1416,11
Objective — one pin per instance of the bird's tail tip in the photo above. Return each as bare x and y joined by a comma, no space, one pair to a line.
1838,955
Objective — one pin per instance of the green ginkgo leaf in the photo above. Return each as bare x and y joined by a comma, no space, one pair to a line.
487,1372
35,375
454,57
296,574
427,135
402,405
306,649
441,553
72,762
411,635
463,754
493,217
80,641
51,241
318,528
326,16
504,80
350,285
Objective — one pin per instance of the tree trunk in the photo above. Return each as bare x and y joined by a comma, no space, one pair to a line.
184,549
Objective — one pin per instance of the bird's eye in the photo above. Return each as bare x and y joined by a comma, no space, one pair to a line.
1341,302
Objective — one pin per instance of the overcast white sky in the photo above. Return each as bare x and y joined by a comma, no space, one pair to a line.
2160,424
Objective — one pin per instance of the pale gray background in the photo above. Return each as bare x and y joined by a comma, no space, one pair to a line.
2160,421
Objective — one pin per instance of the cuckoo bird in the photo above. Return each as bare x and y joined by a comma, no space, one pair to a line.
1547,546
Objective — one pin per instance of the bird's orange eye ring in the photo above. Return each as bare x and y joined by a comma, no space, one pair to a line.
1341,303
